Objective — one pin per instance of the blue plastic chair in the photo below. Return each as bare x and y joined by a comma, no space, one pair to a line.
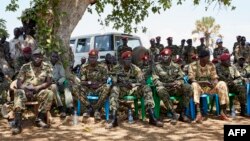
215,98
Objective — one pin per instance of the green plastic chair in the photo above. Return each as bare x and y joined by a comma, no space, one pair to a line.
135,99
231,100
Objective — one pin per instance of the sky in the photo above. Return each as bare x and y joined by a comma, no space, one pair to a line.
177,22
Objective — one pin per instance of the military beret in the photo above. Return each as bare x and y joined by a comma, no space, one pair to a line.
37,51
225,57
194,57
189,40
126,54
183,40
124,38
158,37
145,57
215,61
170,38
152,40
93,52
204,53
27,50
166,51
178,60
219,40
202,38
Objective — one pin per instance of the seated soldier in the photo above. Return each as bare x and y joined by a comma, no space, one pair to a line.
204,79
4,85
232,77
33,81
93,82
60,85
128,79
76,69
168,79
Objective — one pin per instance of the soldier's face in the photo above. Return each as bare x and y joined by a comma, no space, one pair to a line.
54,58
241,61
205,60
93,59
166,58
27,55
226,63
127,61
37,59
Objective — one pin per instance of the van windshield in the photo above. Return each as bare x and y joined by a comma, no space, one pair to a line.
103,43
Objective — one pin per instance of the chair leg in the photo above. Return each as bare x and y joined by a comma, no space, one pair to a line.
192,108
78,107
157,104
107,105
217,102
143,110
136,107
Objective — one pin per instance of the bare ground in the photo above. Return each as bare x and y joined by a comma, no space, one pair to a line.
211,129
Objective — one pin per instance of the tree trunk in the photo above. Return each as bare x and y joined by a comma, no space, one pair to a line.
74,10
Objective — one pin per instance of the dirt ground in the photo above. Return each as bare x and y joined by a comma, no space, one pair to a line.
211,129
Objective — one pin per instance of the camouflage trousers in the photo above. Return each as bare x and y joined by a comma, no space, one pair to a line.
220,89
60,91
185,92
102,93
4,86
240,92
44,98
142,91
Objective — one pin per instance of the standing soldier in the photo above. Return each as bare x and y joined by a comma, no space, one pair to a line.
168,80
154,51
189,51
158,43
202,46
242,50
202,74
93,80
124,47
232,77
238,40
182,47
220,49
33,81
174,48
129,80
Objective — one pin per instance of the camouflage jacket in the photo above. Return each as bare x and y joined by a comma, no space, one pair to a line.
188,52
219,50
98,73
20,61
201,47
160,47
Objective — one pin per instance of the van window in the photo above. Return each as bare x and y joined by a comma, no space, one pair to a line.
103,43
132,42
83,45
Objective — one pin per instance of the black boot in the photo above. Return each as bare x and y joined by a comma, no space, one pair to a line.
184,118
88,112
40,120
62,112
152,119
114,121
97,115
174,118
70,111
242,109
17,128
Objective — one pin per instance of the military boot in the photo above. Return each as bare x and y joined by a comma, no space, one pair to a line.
242,110
152,119
97,115
62,112
17,127
114,121
40,120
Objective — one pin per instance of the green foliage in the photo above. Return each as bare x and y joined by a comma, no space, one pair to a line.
3,31
13,6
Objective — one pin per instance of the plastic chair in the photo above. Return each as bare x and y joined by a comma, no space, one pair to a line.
231,100
215,98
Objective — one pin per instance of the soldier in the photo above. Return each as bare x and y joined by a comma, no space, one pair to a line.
182,47
220,49
241,65
128,79
232,77
238,40
15,45
242,50
204,79
154,51
202,46
124,47
4,85
189,51
168,80
174,48
60,85
110,62
77,68
93,81
158,43
33,81
25,58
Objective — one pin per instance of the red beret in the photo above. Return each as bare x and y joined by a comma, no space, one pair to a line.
126,54
124,38
194,57
215,61
166,51
179,60
93,52
170,38
145,57
158,37
225,57
27,50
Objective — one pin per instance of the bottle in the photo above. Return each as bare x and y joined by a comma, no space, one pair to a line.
75,118
130,117
233,114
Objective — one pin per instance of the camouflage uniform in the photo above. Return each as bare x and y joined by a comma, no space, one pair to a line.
4,86
175,50
97,74
208,73
122,49
241,69
242,51
219,50
201,47
189,51
170,74
159,46
134,75
154,52
32,75
19,63
229,74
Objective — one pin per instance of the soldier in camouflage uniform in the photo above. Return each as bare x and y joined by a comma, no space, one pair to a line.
26,58
60,86
174,48
153,50
33,81
220,49
188,52
158,43
202,46
243,49
4,85
182,47
203,76
241,65
93,82
238,38
232,77
168,80
124,47
128,79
